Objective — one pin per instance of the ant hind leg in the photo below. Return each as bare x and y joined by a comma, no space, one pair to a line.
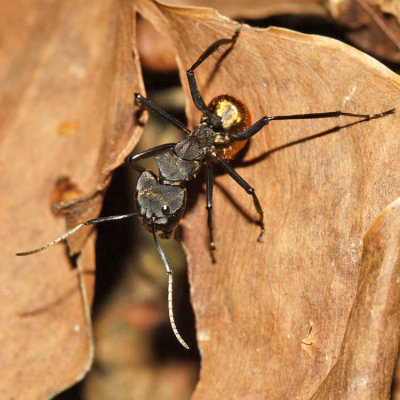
194,89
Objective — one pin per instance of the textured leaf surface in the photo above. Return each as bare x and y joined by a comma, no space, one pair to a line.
67,76
272,317
281,319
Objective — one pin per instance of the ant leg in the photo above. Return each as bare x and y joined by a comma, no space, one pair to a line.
210,185
73,230
249,132
160,112
194,89
150,152
170,305
249,190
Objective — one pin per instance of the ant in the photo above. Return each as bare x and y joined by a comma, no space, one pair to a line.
223,131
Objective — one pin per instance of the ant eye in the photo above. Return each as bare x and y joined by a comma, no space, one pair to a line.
165,209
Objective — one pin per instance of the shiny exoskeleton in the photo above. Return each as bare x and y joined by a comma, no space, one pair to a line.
223,131
178,163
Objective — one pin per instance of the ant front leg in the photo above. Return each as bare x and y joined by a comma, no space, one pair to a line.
249,190
147,154
150,152
194,89
210,186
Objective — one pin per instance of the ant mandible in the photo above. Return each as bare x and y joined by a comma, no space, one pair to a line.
223,131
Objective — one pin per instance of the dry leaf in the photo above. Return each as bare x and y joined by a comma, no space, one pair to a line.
272,317
373,26
257,9
366,359
67,80
388,6
153,48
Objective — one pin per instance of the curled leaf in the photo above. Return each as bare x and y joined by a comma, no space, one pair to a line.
271,317
68,75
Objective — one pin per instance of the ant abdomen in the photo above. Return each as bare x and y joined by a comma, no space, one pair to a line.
235,117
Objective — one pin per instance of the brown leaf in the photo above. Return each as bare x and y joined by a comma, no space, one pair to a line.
68,74
271,317
369,348
373,26
389,6
153,48
257,9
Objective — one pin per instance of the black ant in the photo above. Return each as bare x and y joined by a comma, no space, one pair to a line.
223,131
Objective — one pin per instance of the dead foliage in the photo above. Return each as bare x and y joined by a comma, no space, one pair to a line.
68,74
280,319
273,318
372,25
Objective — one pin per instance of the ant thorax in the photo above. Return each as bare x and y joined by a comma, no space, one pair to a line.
197,145
174,169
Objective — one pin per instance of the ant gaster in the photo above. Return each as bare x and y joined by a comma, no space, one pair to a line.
223,131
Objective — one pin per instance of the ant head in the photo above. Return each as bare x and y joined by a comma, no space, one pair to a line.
159,205
234,117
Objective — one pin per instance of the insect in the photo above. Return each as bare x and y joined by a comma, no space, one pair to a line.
223,131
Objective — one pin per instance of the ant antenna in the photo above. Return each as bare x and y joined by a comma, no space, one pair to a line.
163,257
76,228
170,305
